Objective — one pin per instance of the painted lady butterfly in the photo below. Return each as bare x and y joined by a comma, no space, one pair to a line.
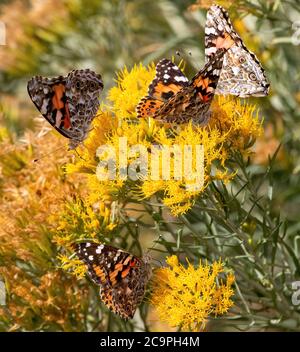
122,277
173,98
69,103
242,74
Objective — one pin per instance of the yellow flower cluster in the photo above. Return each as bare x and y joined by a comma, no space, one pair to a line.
184,297
233,126
80,220
187,297
131,86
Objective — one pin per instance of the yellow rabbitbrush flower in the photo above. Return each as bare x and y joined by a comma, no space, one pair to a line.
233,126
186,297
79,219
76,266
131,86
240,120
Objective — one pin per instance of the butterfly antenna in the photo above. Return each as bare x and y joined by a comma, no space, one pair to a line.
79,154
183,55
45,155
154,244
157,260
151,248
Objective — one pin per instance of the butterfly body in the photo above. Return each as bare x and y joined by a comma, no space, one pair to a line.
69,103
122,277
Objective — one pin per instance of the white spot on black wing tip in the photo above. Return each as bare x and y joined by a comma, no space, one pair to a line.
99,249
210,30
180,79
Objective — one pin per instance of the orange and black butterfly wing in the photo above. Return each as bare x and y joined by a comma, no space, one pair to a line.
219,33
192,102
68,103
148,106
206,80
242,74
122,277
169,80
49,96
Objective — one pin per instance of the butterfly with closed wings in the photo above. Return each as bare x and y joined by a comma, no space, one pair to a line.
242,74
69,103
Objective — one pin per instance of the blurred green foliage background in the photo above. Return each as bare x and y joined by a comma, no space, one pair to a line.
51,37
